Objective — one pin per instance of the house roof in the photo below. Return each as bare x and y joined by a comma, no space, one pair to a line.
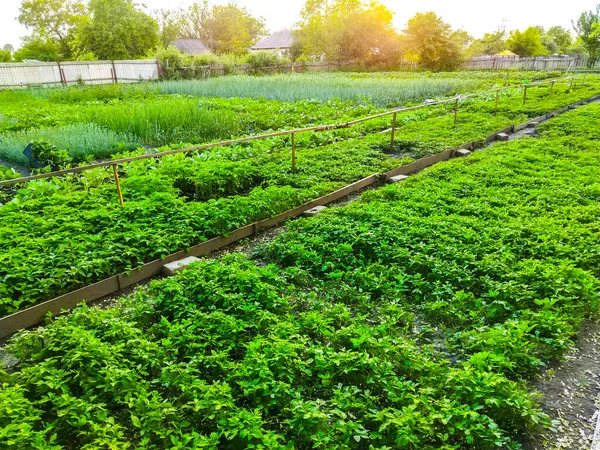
281,39
191,46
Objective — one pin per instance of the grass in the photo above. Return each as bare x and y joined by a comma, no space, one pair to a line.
81,140
380,89
166,122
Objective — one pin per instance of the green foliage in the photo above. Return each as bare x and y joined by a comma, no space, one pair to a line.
178,201
345,30
429,41
586,28
526,43
81,141
50,155
413,318
54,22
38,48
5,56
489,44
117,30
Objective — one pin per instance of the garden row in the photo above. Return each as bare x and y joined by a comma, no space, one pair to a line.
413,318
65,233
95,122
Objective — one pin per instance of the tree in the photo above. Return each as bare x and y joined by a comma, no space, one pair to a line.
5,56
430,41
9,48
560,37
170,24
38,48
55,20
526,43
232,29
117,30
585,27
489,44
349,30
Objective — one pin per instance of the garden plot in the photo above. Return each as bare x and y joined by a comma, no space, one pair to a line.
416,317
180,201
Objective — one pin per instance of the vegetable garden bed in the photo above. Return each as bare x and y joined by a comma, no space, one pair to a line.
414,318
68,233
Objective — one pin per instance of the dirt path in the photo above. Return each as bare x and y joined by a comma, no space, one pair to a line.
572,396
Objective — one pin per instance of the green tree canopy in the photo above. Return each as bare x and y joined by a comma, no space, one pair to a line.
38,48
557,38
431,42
232,29
348,30
489,44
117,30
224,28
53,20
5,56
526,43
586,26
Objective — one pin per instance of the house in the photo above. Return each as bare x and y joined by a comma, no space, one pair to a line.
191,46
279,43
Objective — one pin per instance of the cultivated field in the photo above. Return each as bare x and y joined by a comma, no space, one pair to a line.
416,317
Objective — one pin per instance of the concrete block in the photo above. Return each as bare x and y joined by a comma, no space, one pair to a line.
177,266
313,211
502,137
398,178
462,152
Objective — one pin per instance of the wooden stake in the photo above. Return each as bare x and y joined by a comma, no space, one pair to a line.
293,153
552,88
496,109
524,94
585,75
455,110
571,86
393,133
118,185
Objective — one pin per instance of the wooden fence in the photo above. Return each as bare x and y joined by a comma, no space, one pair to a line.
77,72
14,75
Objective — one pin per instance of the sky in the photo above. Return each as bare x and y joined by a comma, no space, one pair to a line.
475,17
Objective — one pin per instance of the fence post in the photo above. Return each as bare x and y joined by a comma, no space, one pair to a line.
393,133
114,69
584,75
571,86
293,153
496,108
524,94
455,110
61,73
118,183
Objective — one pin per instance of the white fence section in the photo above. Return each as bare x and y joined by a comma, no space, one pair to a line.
87,72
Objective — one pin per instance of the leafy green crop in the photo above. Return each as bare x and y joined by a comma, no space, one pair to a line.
415,317
62,234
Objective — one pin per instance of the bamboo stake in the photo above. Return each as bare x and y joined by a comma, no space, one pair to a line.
393,133
293,153
455,111
496,109
118,186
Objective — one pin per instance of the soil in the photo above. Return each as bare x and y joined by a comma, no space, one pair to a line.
23,170
572,396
